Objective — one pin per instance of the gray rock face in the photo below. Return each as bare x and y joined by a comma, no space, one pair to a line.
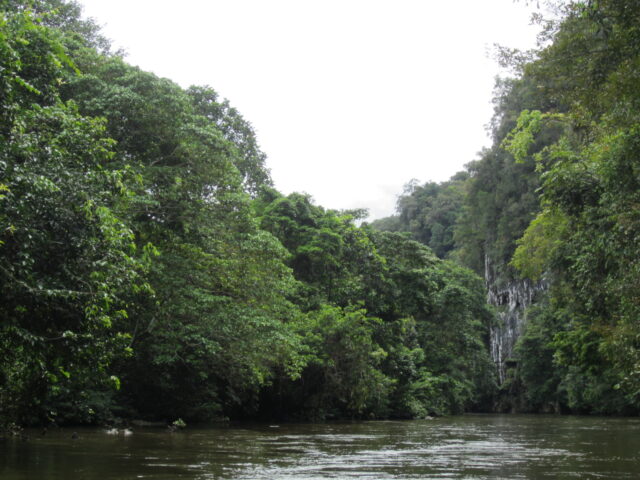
511,297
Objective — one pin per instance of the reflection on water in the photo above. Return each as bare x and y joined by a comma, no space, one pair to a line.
469,447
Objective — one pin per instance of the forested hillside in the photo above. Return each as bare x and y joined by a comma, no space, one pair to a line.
151,271
550,216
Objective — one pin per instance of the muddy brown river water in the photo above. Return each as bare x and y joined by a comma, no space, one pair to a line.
461,447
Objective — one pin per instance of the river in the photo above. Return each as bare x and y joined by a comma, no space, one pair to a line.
461,447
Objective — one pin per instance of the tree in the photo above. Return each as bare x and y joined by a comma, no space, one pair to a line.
68,260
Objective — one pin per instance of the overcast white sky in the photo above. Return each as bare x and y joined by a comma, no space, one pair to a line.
350,99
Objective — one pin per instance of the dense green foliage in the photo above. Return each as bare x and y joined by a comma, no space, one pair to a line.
419,323
430,212
556,199
150,270
586,237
